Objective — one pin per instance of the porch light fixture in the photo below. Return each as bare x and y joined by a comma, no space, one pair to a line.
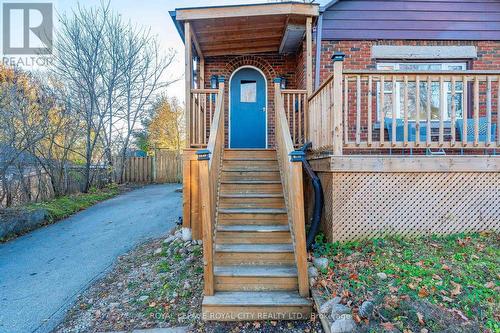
283,83
213,81
213,85
338,56
203,155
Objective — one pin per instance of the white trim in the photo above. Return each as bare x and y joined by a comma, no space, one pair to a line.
229,96
411,52
395,67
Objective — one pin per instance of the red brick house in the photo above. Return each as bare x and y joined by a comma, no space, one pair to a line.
399,101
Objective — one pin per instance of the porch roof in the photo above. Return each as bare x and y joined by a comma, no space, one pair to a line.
244,29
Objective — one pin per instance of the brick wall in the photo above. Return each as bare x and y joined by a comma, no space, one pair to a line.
358,56
358,53
272,65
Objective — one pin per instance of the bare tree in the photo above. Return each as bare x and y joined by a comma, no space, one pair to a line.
114,71
23,119
143,79
80,51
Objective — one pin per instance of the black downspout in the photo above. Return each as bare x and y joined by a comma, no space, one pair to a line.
318,198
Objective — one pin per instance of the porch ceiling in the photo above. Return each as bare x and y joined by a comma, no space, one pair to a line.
244,29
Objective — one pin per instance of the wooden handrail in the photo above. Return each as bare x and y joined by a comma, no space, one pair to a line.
415,119
295,105
291,176
209,164
202,109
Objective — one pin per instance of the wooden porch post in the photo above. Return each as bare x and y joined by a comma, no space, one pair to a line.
206,221
338,125
188,65
309,80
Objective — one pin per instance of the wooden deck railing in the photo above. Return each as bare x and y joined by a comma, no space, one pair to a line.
209,163
295,106
203,103
394,109
291,176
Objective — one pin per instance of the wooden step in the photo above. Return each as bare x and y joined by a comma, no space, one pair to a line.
255,278
252,195
252,211
250,163
243,188
255,305
254,254
252,202
250,175
250,168
253,228
259,153
254,181
253,234
252,219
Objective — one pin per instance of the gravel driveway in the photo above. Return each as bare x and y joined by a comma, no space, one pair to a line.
42,273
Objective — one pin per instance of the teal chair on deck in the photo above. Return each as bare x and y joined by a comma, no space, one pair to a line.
483,130
412,131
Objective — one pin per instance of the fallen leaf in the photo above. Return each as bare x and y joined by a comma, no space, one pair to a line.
152,304
412,286
393,289
353,276
447,299
436,277
421,320
423,292
460,314
388,326
457,290
446,267
489,285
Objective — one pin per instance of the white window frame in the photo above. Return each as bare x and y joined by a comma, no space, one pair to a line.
396,67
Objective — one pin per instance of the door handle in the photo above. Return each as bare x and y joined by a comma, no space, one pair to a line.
264,109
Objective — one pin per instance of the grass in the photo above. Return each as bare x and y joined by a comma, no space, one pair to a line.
436,283
65,206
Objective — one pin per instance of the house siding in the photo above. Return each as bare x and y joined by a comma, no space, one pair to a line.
412,20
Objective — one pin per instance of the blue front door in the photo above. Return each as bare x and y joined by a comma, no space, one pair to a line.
248,109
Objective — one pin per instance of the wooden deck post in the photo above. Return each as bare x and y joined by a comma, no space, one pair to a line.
338,125
299,224
309,80
206,221
188,66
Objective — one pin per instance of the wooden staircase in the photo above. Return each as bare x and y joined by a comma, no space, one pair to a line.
255,271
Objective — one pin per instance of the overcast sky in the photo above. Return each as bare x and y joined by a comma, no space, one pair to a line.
154,14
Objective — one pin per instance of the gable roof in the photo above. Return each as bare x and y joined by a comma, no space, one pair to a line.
412,19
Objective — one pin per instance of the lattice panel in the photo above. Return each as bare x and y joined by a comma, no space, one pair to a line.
369,205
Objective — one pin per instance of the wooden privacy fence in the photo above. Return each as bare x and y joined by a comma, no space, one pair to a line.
414,109
164,167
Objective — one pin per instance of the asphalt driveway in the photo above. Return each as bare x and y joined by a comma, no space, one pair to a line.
42,272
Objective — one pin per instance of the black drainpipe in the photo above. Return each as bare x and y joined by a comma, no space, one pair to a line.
318,197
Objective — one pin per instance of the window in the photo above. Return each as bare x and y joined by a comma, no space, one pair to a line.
248,91
422,99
